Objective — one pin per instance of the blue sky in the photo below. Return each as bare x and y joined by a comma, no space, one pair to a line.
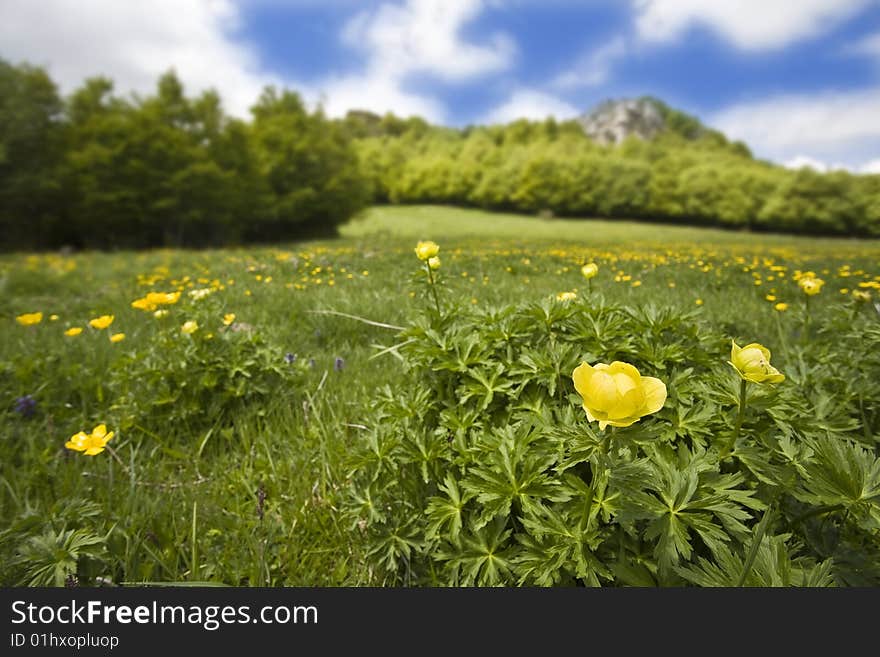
797,80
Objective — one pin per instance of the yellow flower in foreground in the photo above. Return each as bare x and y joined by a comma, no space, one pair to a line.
427,250
566,296
73,330
861,296
29,319
90,443
781,306
228,318
101,322
752,362
189,327
434,262
117,337
617,394
811,286
589,270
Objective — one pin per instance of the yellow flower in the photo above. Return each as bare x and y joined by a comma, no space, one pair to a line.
752,363
117,337
434,262
589,270
29,319
861,296
101,322
143,304
699,302
617,394
91,444
74,330
770,297
811,285
53,318
781,306
162,298
566,296
189,327
427,250
159,314
228,318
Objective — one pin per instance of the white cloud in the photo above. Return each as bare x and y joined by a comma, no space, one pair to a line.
530,104
748,24
872,166
592,68
829,127
424,36
420,37
869,45
135,42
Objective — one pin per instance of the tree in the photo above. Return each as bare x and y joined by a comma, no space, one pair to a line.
31,148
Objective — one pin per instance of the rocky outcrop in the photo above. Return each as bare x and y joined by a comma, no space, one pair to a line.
614,120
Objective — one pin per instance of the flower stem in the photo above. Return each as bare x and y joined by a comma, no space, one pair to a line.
740,414
600,471
760,530
433,289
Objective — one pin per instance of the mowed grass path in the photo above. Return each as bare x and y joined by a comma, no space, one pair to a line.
190,506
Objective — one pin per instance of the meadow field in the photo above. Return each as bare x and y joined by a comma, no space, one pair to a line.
340,413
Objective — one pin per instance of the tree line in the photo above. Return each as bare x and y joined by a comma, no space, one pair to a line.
686,174
97,170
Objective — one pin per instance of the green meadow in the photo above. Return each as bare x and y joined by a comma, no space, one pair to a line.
324,413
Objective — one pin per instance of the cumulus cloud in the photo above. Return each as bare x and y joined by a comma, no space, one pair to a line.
593,68
135,42
531,104
420,37
751,25
829,127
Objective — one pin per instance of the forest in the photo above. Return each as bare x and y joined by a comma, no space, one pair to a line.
94,169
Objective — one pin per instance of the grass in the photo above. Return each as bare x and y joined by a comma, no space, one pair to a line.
254,498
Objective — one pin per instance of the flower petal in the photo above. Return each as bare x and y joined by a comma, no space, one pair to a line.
655,394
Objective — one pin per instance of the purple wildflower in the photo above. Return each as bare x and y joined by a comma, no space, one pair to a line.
26,406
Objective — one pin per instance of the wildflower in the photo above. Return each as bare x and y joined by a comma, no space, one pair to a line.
434,263
699,302
143,304
90,443
861,296
810,285
289,358
617,394
781,306
770,297
228,318
53,318
159,314
189,327
566,296
338,364
426,250
26,406
117,337
589,270
752,363
101,322
162,298
73,330
29,319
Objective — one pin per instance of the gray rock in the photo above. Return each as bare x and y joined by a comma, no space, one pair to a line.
614,120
